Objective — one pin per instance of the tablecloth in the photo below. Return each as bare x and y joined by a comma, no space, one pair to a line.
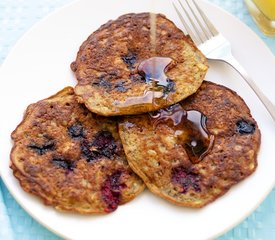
17,16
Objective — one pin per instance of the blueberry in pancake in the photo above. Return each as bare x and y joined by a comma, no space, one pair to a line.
193,152
72,158
127,67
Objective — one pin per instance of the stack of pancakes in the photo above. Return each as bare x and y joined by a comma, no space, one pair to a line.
130,123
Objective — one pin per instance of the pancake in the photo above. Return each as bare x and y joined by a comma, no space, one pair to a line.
121,70
195,151
72,158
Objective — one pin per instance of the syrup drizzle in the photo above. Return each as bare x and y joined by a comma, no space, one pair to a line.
153,70
147,98
175,113
153,31
189,129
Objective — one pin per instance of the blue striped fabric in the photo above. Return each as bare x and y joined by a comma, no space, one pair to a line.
17,16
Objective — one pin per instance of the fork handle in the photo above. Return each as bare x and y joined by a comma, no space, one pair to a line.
266,102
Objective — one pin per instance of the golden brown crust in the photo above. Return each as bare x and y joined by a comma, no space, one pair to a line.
72,158
157,155
107,63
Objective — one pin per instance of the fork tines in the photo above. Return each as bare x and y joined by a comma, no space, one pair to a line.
195,22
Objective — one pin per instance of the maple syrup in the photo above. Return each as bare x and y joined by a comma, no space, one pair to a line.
189,129
147,98
153,31
159,85
154,69
174,113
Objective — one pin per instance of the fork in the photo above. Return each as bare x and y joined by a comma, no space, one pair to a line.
214,45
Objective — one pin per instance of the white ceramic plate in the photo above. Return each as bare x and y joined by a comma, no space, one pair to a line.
38,66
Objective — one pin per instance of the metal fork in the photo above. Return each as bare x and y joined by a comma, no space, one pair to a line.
214,46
